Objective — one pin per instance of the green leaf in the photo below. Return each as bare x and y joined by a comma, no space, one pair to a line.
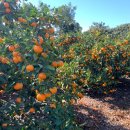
49,67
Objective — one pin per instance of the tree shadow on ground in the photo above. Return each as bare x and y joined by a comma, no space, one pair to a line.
91,119
120,98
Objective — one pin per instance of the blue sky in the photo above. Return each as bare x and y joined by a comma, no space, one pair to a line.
112,12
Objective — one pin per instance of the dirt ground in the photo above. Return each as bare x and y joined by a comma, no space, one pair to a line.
105,112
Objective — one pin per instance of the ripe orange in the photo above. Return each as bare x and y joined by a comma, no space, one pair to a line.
103,49
2,91
47,35
7,10
32,110
22,20
18,100
42,76
53,90
33,24
74,85
15,53
51,30
104,84
6,4
18,86
44,54
112,91
54,64
29,68
40,97
1,40
11,48
60,64
17,59
37,49
40,41
53,105
52,38
4,60
126,41
94,56
4,125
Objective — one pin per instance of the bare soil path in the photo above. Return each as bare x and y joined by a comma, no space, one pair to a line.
108,112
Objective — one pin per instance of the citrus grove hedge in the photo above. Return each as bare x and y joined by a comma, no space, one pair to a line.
45,69
95,66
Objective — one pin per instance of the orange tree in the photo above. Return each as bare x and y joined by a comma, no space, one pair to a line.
105,65
67,45
32,97
96,65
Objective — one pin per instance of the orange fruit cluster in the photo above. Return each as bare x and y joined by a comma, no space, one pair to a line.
22,20
40,97
53,90
16,57
57,64
7,7
37,49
